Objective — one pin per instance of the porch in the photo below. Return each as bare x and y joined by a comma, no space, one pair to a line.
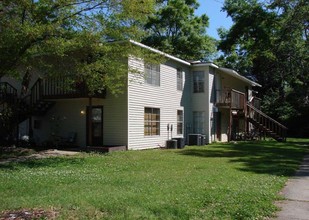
50,110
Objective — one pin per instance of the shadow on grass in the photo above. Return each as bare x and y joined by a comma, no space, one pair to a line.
282,159
43,162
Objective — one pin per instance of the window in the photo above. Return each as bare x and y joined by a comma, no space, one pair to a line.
198,81
198,122
179,122
179,79
152,74
151,121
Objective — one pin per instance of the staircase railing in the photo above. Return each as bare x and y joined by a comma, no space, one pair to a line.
8,94
8,101
268,124
256,102
36,92
7,90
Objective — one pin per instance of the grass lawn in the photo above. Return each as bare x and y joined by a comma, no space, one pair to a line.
218,181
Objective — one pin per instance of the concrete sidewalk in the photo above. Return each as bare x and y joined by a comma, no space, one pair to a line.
296,192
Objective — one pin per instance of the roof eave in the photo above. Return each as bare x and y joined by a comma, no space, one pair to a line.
238,76
204,64
160,52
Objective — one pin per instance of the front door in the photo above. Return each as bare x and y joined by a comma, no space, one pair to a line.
94,125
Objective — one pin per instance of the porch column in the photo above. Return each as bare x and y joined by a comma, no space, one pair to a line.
230,125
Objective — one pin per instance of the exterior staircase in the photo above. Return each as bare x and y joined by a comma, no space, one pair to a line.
8,99
266,124
38,105
15,109
239,107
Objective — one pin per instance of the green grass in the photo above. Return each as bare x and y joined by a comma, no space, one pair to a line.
218,181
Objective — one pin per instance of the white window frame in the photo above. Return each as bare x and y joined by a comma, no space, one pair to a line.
179,79
180,122
198,82
152,74
151,121
199,122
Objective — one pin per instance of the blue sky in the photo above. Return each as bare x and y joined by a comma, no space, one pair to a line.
217,18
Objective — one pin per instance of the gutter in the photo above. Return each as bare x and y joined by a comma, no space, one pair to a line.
160,52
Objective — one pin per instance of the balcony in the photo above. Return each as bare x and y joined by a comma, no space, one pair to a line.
58,88
231,98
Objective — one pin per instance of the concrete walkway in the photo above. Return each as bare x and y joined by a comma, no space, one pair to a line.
296,192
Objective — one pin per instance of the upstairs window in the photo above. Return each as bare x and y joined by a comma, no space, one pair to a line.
179,79
198,81
152,74
179,122
151,121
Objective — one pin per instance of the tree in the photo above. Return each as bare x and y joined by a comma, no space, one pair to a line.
174,29
269,40
71,37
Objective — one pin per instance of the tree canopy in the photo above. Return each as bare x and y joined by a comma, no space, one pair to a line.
175,29
269,40
71,37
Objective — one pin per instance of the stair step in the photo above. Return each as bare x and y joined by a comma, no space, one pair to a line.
261,125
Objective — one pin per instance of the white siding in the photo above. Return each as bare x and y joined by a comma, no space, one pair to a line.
200,101
165,97
187,103
115,127
230,82
212,91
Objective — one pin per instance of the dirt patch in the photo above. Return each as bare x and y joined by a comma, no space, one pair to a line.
9,152
27,214
36,155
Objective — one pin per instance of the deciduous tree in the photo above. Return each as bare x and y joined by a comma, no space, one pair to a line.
175,29
269,40
71,37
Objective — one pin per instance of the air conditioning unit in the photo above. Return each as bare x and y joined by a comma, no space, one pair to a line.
180,142
196,139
